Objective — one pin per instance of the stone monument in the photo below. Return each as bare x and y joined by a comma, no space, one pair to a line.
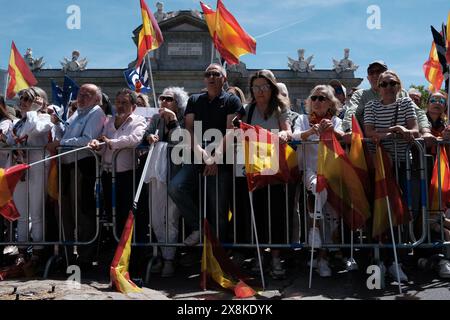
74,64
34,64
345,64
301,65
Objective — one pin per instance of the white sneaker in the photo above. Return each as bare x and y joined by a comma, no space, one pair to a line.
444,269
323,268
192,239
351,265
314,237
168,269
393,272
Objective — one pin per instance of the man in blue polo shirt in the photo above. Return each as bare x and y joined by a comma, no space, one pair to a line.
215,109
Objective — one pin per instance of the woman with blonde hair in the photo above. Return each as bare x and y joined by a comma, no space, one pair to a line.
322,109
32,130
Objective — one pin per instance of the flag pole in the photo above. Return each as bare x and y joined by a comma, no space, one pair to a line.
312,241
212,52
250,194
151,79
204,231
62,154
6,84
144,172
390,225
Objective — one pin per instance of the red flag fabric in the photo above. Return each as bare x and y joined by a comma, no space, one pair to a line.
267,161
229,38
8,180
216,265
447,54
20,76
433,70
386,189
444,182
345,190
150,37
119,266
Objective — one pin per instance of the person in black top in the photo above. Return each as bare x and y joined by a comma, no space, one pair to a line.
214,109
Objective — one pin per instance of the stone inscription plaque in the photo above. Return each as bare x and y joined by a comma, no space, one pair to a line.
185,49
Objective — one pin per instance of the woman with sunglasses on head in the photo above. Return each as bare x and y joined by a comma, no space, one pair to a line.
322,108
32,130
172,104
391,117
436,113
268,108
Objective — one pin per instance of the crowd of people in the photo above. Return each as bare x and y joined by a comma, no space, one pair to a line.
386,112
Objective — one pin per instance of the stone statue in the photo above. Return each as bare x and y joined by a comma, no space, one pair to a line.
160,15
74,64
34,64
345,64
301,65
197,14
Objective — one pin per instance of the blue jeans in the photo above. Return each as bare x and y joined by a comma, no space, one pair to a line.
185,185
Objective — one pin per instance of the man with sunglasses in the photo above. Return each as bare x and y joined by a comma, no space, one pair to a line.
214,109
361,97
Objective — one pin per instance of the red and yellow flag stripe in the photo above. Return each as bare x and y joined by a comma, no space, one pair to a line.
150,36
20,76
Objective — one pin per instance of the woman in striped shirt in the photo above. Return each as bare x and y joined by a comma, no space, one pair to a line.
392,117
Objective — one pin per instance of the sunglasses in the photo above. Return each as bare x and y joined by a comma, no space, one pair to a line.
390,83
214,74
320,98
26,98
438,100
263,88
338,91
375,71
166,98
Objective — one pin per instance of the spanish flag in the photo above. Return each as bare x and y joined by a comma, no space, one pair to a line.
20,76
8,180
433,70
444,180
216,265
119,266
150,37
336,173
229,38
267,161
386,189
357,155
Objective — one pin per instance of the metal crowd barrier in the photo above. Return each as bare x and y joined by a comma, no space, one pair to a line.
51,211
405,234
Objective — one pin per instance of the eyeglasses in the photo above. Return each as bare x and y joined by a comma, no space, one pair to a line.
85,95
390,83
263,88
320,98
166,98
438,100
214,74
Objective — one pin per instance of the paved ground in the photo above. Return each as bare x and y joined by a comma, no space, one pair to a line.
185,286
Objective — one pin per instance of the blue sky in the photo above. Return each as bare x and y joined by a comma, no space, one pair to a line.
322,27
